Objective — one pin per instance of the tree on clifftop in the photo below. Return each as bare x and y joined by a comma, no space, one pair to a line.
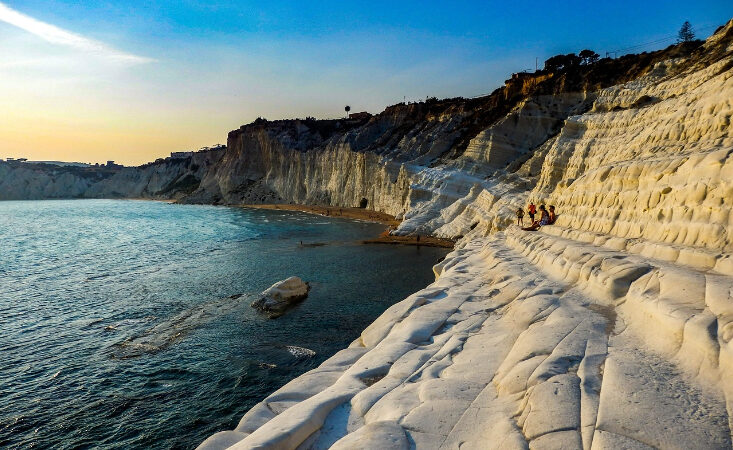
685,34
562,62
588,56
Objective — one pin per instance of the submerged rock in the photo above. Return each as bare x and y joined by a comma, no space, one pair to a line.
281,295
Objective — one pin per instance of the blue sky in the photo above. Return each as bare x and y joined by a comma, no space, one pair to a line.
136,80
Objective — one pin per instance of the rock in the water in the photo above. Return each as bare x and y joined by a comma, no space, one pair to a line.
282,294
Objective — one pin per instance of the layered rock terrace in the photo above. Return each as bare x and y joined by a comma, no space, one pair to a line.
611,328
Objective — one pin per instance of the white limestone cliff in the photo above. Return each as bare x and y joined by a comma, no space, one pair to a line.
610,329
168,179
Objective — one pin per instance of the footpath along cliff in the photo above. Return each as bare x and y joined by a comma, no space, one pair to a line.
610,329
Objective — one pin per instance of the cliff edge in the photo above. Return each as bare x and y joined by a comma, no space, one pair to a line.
611,328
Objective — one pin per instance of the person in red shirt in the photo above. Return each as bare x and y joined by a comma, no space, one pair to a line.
532,210
544,220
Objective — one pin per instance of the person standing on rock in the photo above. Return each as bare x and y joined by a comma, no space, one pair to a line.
520,217
532,209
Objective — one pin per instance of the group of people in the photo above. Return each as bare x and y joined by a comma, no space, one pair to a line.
547,217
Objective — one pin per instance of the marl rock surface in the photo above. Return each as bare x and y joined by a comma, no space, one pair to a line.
610,329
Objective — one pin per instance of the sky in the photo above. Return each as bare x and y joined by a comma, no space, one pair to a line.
132,81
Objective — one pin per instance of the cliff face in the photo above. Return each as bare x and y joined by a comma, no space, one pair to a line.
31,181
612,328
454,167
442,165
170,179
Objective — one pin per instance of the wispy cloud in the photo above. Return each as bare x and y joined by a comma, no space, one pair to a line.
60,36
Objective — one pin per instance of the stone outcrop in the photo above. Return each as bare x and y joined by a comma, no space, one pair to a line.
610,329
282,295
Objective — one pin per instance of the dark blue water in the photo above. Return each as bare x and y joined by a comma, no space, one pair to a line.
117,330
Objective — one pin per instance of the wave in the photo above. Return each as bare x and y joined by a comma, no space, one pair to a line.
300,352
98,277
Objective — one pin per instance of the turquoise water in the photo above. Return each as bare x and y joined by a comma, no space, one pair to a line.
120,326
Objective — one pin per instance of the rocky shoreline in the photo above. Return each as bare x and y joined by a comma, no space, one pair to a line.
366,215
333,211
611,328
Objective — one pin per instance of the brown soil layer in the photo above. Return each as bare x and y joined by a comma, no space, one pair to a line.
333,211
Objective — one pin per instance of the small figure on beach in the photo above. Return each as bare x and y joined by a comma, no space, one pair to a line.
544,220
553,216
532,210
418,238
520,217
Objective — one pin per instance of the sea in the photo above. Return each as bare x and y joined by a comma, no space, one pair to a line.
127,324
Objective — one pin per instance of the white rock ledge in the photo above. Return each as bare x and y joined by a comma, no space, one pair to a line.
526,340
612,328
